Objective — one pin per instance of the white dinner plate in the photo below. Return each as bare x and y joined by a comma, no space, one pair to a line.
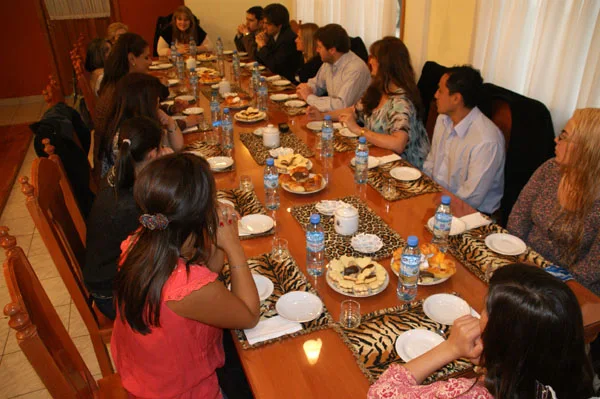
173,82
457,226
295,103
260,116
185,97
413,343
405,173
255,224
445,308
299,306
220,163
264,286
281,82
227,52
279,97
373,162
193,111
315,126
347,133
286,188
505,244
242,53
226,202
160,66
168,102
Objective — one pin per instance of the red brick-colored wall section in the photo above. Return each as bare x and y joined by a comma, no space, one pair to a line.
141,15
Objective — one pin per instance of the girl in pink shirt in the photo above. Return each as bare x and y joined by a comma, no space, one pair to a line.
167,338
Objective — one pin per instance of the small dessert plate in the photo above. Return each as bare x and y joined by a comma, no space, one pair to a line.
299,306
366,243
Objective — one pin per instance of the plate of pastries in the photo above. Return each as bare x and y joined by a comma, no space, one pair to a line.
250,115
357,277
435,267
301,181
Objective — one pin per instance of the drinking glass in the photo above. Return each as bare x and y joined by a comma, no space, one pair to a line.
389,187
350,314
246,183
279,251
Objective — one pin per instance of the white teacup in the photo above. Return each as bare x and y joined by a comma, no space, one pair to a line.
271,136
346,220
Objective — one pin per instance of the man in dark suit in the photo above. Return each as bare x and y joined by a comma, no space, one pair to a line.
276,45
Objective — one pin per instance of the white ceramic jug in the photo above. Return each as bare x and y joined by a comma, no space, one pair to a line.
346,220
271,136
224,87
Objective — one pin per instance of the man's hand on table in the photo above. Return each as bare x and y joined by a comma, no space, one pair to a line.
304,90
314,114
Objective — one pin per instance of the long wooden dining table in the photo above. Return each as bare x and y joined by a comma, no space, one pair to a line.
282,369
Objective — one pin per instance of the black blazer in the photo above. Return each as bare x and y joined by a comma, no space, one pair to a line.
309,69
281,56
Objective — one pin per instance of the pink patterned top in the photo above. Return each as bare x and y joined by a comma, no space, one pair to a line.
398,383
178,359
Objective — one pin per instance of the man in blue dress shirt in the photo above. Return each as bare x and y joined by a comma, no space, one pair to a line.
467,151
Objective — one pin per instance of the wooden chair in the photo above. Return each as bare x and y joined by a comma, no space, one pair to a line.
83,84
52,93
50,213
43,338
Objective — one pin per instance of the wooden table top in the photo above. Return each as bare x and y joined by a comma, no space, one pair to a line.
281,369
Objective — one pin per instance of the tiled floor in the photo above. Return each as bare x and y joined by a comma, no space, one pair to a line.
17,377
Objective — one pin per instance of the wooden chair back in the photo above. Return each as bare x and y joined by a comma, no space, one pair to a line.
52,93
49,211
83,83
39,330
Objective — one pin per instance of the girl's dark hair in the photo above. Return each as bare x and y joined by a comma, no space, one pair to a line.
117,64
184,37
394,67
144,135
96,54
137,94
182,188
534,334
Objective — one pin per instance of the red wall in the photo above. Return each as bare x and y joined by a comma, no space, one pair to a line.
26,62
26,58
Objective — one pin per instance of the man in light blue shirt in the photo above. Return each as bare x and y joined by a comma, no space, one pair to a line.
467,151
344,76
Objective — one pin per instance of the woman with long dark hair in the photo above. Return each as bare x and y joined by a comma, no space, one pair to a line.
114,214
171,308
529,341
183,27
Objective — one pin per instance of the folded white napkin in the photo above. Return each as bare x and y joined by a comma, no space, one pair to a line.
271,328
475,220
388,158
190,129
273,78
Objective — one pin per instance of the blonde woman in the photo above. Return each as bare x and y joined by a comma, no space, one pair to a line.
184,27
115,30
306,43
558,211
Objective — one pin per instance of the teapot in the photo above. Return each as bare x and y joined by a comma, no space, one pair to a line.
346,220
270,136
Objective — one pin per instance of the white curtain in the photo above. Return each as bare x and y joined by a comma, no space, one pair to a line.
369,19
548,50
77,9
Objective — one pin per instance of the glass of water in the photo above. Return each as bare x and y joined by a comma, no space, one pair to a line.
246,183
350,314
279,251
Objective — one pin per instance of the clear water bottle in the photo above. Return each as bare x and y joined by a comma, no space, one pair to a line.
194,83
193,48
361,161
220,57
227,128
327,137
173,54
409,270
180,67
263,95
271,182
236,67
442,223
315,246
255,79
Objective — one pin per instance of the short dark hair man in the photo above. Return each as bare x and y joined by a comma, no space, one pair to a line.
343,76
245,38
467,151
276,45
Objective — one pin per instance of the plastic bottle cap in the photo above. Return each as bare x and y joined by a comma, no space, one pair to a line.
225,110
327,117
446,199
413,241
315,218
262,79
270,162
362,140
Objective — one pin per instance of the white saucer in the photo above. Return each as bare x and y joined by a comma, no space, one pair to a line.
227,52
173,82
279,151
445,308
405,173
193,111
295,103
264,286
347,133
258,132
255,224
220,163
366,243
299,306
242,53
279,97
168,102
457,227
281,82
505,244
226,202
186,97
328,207
373,162
413,343
315,126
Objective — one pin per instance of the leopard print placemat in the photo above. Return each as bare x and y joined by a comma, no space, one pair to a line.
206,151
286,277
337,245
403,189
373,342
245,203
260,153
472,252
